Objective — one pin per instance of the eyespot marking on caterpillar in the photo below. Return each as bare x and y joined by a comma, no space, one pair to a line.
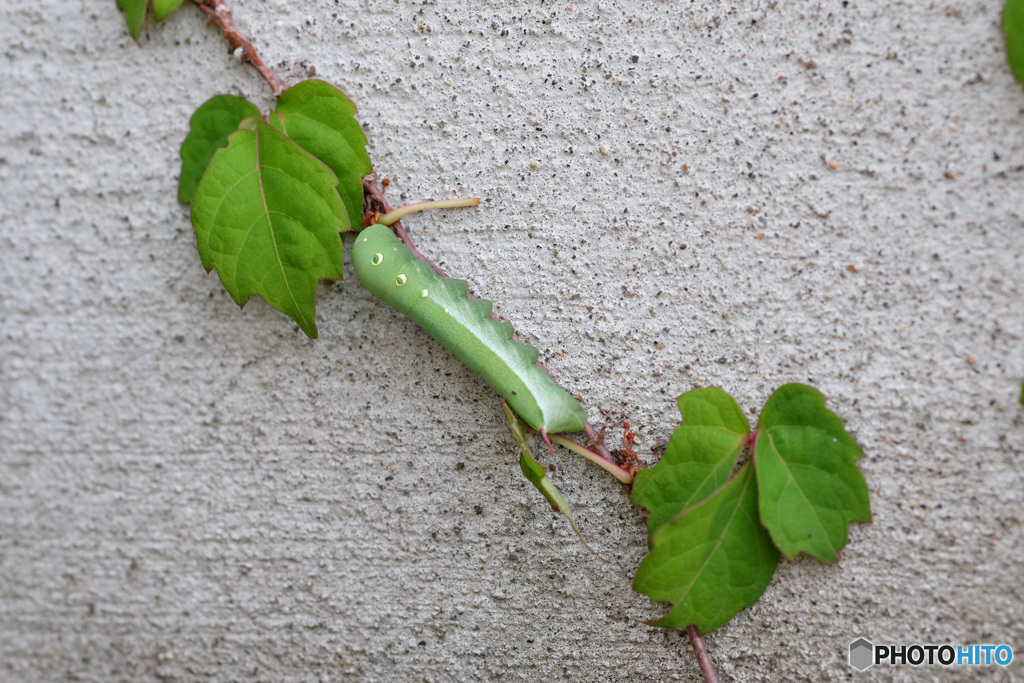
401,279
424,293
376,259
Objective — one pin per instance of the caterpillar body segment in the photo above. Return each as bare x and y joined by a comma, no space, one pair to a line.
439,305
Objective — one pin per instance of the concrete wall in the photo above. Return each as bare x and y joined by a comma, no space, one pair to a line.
675,193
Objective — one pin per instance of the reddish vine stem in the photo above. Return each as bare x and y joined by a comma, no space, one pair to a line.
595,442
220,16
707,669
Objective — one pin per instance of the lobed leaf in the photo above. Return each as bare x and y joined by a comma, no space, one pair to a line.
699,458
712,560
809,485
1013,26
267,217
321,120
209,128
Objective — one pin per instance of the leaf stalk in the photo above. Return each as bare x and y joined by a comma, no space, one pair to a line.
616,471
398,214
707,669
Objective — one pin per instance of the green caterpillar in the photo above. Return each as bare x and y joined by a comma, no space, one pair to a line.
464,326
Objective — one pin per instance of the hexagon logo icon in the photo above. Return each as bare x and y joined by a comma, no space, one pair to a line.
861,654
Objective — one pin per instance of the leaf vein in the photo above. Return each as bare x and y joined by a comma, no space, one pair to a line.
273,235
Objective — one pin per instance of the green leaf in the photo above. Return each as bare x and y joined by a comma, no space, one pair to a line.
699,458
807,476
537,474
1013,25
321,120
267,217
712,560
1022,394
135,12
161,8
134,15
209,128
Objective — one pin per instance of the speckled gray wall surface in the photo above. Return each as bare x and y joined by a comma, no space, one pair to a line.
676,195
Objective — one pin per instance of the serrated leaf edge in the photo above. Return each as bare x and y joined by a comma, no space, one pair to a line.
313,332
739,504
